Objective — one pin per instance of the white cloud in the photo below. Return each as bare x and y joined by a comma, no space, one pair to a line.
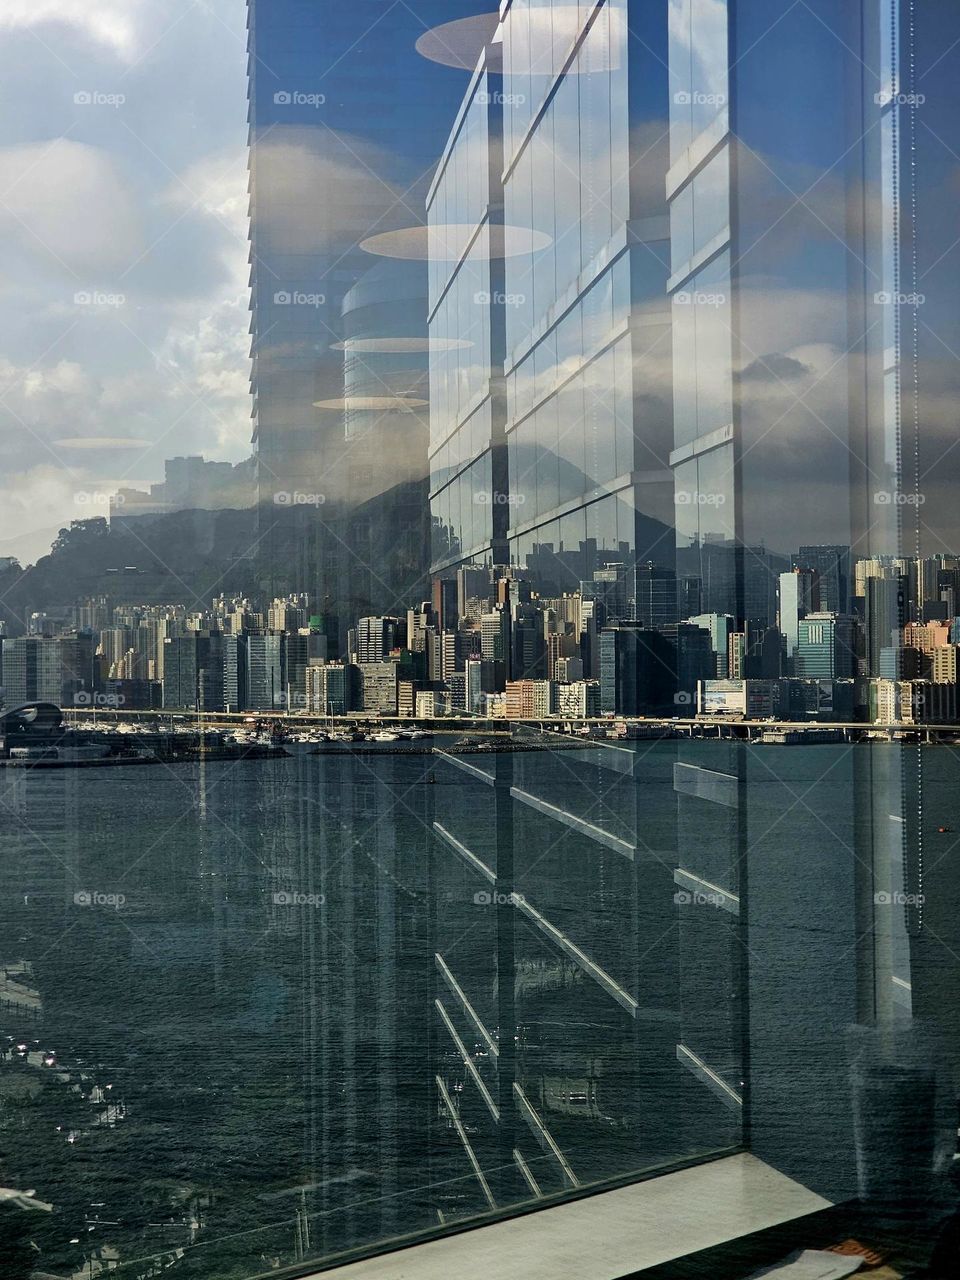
66,205
115,23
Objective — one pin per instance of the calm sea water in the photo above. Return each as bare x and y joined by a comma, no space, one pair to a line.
226,981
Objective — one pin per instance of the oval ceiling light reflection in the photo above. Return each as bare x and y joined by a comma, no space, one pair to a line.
399,346
549,32
460,43
446,242
379,403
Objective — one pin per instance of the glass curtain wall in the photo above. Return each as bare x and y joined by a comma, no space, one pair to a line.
544,781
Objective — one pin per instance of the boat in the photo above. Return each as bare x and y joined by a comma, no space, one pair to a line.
384,735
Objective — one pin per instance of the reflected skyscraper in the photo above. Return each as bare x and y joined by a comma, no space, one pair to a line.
347,120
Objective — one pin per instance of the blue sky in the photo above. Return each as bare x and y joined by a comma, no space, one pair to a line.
123,250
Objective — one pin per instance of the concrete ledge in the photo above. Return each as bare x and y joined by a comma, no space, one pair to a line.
608,1235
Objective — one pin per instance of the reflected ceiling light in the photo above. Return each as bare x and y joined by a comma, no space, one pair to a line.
399,346
460,43
552,30
372,402
102,442
445,242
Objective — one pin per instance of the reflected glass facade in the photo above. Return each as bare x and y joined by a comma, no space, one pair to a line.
556,790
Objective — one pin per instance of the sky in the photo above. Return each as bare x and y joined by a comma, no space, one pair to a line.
123,251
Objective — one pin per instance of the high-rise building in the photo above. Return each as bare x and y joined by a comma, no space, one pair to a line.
944,669
469,494
379,687
234,672
327,688
347,120
884,615
57,669
529,699
655,595
798,595
831,565
637,670
376,637
495,636
720,626
194,671
266,673
827,646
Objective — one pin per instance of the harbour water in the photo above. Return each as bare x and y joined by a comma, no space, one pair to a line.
220,983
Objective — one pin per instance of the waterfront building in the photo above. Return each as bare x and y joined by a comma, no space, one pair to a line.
637,671
57,669
379,687
747,699
265,655
302,647
578,699
233,646
529,699
194,671
826,645
327,688
431,703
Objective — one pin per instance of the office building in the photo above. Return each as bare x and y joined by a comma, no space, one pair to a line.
798,595
376,637
829,567
327,688
266,670
637,671
57,669
194,671
578,699
379,687
885,596
529,699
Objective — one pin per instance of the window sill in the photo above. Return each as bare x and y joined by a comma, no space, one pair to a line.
610,1234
